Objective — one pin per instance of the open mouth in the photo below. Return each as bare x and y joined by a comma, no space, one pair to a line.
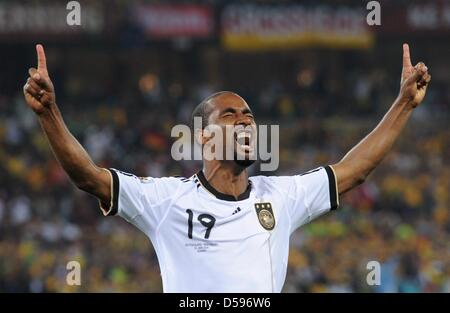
244,140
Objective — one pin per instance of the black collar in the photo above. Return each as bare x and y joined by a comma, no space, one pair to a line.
223,196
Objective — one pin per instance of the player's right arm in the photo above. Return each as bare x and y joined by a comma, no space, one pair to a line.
40,96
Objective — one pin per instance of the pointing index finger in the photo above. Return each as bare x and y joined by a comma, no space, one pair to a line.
406,56
42,62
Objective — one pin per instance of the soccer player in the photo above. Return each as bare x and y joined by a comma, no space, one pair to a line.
221,230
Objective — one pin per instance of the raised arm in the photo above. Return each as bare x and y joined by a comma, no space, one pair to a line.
357,164
40,97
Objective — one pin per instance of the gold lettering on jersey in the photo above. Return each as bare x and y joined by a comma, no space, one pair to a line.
145,180
265,215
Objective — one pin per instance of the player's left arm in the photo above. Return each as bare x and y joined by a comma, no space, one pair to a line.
357,164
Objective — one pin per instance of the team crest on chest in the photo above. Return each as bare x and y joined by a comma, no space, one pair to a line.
265,215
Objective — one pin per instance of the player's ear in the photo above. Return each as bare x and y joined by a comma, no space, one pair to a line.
207,133
199,136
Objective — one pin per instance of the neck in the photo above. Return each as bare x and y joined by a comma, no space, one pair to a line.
226,178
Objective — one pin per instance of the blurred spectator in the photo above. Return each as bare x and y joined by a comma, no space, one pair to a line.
399,217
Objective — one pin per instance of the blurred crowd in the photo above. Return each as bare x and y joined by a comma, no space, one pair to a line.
121,107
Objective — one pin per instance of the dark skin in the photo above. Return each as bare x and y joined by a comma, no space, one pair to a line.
40,97
226,176
228,109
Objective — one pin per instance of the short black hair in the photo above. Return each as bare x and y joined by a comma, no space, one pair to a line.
204,109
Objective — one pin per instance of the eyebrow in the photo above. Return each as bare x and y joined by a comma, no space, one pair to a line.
232,110
247,110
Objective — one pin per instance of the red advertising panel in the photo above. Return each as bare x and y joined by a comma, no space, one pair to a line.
420,18
163,21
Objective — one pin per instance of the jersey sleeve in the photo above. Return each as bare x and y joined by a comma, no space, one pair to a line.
313,193
142,201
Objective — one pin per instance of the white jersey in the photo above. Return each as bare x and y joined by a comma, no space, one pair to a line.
207,241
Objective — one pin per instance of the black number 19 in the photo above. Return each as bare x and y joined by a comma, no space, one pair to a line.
205,219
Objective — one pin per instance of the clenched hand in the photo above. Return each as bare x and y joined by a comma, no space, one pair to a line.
38,90
415,80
